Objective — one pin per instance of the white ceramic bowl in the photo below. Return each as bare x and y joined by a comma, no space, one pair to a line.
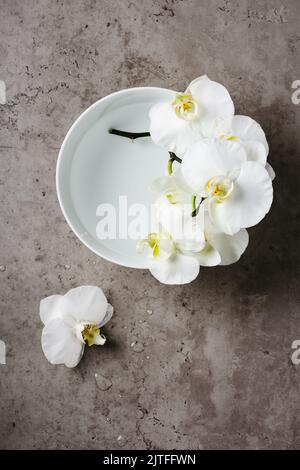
95,167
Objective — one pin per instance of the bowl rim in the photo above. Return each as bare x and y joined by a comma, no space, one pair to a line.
59,164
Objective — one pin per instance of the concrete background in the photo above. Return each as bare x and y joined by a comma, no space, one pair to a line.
216,370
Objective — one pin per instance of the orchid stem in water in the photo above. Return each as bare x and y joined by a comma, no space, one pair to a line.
137,135
129,135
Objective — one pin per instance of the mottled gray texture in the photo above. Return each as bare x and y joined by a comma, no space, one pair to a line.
216,369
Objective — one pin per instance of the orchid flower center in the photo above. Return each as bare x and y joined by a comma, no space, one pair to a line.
89,334
161,244
219,187
185,106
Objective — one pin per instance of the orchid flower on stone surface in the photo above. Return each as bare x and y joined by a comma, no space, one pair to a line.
238,193
192,115
71,321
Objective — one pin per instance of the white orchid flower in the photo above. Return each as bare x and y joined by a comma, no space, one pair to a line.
171,259
184,243
238,192
197,236
71,321
250,135
166,262
194,114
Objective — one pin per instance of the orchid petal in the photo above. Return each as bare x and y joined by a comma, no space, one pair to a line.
214,103
249,202
169,131
172,216
208,158
162,184
85,304
50,308
209,256
178,269
230,247
185,231
60,344
108,315
246,128
173,187
256,151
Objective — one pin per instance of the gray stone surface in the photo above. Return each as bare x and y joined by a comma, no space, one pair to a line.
215,371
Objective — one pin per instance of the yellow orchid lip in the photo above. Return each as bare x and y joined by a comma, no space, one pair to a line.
185,106
89,334
161,244
219,187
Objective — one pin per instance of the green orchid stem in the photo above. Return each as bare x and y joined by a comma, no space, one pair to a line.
194,208
193,204
170,167
173,158
129,135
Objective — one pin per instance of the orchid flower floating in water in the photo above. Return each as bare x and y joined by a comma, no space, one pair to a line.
221,186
